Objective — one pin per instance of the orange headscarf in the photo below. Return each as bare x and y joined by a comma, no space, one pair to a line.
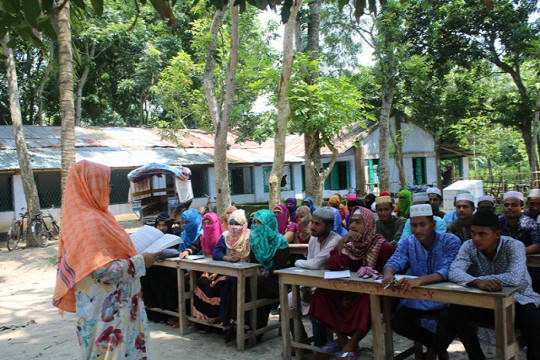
90,236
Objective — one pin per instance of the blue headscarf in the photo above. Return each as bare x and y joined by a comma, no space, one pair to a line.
265,239
310,204
192,230
338,225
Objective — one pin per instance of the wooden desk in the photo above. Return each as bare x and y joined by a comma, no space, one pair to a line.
298,249
501,302
533,260
241,271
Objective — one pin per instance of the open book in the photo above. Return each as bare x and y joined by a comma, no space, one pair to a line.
149,239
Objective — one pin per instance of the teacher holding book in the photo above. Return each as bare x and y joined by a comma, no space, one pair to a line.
99,270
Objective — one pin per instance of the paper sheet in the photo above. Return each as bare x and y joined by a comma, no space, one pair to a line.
337,274
150,239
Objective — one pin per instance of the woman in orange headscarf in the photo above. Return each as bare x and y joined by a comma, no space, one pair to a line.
99,270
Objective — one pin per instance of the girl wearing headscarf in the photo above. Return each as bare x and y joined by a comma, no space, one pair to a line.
290,203
348,314
270,249
285,226
338,225
303,230
308,201
404,203
193,229
225,216
99,270
345,209
335,201
206,295
164,224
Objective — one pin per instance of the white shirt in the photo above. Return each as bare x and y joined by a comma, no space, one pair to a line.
319,253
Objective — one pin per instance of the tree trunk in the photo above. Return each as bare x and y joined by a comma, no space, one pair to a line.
360,173
313,166
29,185
65,70
397,140
384,133
525,130
82,81
221,117
534,135
283,108
43,82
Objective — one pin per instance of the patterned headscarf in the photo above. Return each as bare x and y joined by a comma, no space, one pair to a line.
282,219
292,208
237,237
335,201
310,204
265,239
404,203
90,236
211,232
192,230
338,225
368,247
303,226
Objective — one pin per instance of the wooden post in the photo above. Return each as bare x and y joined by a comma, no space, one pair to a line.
359,161
438,160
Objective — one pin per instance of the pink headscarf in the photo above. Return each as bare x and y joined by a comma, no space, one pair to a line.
211,232
282,219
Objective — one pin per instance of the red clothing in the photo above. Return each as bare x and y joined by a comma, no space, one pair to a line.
344,311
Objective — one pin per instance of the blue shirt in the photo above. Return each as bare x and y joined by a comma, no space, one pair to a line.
508,266
410,253
450,216
440,226
220,250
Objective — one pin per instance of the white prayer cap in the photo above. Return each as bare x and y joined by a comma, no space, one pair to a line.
467,197
373,207
486,198
534,193
421,210
434,190
513,194
420,196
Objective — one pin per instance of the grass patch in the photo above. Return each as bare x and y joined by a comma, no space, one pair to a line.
52,260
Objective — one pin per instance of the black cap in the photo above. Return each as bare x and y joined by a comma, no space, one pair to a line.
485,218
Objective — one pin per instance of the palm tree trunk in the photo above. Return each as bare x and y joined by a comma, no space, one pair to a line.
67,108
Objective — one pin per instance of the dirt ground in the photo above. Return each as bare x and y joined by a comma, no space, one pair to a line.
31,328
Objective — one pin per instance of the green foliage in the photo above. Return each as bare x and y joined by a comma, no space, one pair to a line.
328,106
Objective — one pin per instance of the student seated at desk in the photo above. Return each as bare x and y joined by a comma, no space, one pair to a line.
303,230
349,313
285,226
270,249
232,246
159,284
488,262
428,254
207,293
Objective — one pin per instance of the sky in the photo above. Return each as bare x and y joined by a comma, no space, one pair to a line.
365,58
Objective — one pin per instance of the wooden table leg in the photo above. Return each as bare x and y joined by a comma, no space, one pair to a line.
504,329
376,326
285,329
387,319
182,321
240,314
253,312
297,318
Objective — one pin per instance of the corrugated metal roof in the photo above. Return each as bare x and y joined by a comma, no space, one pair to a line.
132,147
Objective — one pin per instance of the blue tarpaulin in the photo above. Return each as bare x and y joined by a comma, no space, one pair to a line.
153,169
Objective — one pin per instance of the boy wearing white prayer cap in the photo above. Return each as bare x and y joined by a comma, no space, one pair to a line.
486,202
515,224
428,254
435,200
418,199
533,204
461,227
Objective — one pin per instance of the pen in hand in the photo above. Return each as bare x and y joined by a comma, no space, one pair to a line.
390,283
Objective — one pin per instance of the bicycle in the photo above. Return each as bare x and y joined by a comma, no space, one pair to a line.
40,231
55,229
17,231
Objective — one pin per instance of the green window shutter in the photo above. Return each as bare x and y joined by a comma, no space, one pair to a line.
371,172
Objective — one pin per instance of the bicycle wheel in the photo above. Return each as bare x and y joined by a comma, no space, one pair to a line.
13,236
55,230
40,234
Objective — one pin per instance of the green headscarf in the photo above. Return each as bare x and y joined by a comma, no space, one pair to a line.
265,239
404,203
